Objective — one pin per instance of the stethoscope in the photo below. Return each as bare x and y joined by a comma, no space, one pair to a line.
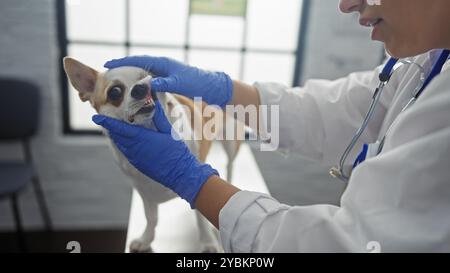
391,66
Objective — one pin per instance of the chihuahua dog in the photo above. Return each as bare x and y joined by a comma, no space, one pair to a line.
125,94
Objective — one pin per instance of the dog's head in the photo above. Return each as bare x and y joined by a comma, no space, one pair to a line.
122,93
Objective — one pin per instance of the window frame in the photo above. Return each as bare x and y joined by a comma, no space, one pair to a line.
64,42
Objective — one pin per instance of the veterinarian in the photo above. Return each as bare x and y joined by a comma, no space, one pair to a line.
398,193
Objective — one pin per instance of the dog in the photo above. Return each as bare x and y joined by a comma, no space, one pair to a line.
124,93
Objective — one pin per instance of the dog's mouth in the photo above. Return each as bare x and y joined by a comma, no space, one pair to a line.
146,108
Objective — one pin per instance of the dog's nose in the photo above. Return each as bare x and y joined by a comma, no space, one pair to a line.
139,91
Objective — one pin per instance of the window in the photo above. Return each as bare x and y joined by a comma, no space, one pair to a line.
248,39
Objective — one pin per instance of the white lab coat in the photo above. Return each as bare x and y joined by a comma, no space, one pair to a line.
399,200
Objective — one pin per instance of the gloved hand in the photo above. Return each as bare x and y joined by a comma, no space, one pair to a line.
159,155
172,76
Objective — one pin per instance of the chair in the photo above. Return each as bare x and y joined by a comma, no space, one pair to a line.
19,116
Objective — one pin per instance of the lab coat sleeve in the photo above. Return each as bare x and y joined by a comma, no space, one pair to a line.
319,119
398,200
255,222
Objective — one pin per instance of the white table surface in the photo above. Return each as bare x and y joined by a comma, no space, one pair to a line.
176,230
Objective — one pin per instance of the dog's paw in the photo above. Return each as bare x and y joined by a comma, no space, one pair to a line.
138,246
209,248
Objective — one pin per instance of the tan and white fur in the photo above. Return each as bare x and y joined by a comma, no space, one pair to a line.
96,87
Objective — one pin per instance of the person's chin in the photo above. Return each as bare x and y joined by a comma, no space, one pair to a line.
399,51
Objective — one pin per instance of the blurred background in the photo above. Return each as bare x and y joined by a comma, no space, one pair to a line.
58,175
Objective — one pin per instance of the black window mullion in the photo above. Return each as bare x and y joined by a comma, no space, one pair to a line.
243,50
301,44
62,40
188,33
127,27
186,46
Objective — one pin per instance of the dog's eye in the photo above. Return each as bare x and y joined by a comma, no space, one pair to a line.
115,93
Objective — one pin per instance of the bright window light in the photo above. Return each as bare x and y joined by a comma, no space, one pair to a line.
251,40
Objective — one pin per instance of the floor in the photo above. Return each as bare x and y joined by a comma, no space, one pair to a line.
176,231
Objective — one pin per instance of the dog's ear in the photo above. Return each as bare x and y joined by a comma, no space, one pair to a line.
82,77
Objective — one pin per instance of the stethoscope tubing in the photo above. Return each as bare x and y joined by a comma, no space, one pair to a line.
384,78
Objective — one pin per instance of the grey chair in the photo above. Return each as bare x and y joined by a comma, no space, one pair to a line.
19,117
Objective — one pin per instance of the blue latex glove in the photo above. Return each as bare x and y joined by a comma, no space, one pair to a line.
172,76
158,155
